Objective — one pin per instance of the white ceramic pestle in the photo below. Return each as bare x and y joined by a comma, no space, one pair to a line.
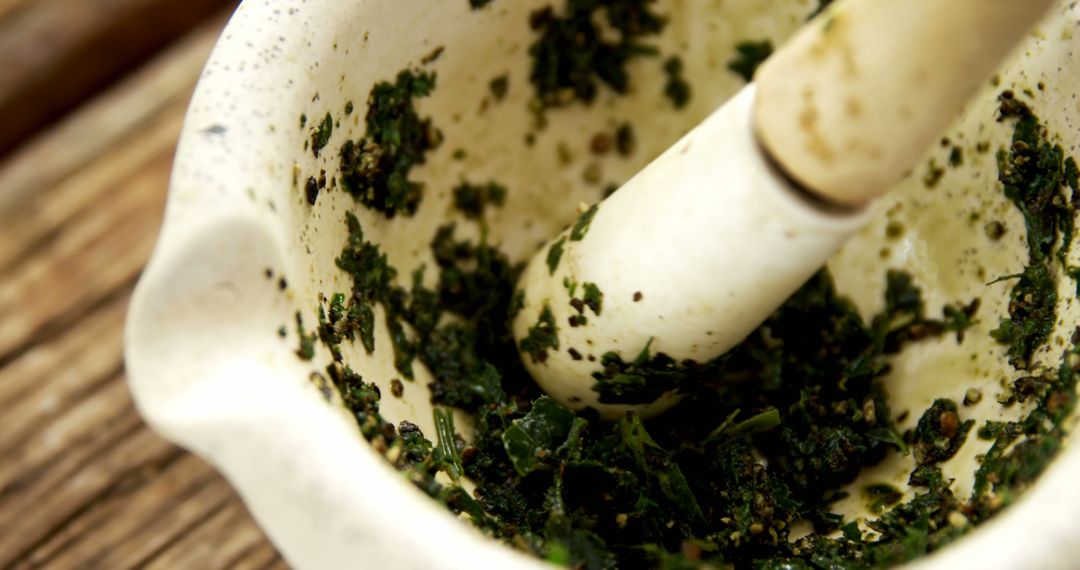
699,248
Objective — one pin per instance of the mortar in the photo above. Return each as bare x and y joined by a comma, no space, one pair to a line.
209,370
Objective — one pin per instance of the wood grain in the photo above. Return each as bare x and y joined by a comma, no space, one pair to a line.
83,482
59,52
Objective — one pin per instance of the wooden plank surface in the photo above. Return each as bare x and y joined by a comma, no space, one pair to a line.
83,482
57,52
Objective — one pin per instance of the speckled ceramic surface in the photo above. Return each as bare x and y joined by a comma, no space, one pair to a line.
209,370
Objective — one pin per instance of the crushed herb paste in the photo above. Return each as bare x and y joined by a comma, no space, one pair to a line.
683,489
375,169
1035,174
765,437
573,55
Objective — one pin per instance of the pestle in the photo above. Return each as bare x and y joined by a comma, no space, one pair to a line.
699,248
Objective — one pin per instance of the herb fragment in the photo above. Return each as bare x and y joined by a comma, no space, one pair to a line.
880,496
306,348
375,169
625,140
322,133
572,56
934,174
472,199
640,381
372,278
956,157
1034,173
749,55
554,255
446,452
433,56
940,433
311,190
500,86
536,436
584,221
542,336
594,298
681,491
676,89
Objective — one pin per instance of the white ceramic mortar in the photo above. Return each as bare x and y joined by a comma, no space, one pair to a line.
210,372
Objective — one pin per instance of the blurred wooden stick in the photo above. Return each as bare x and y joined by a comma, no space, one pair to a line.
57,53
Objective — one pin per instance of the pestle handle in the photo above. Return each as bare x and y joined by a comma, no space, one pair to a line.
852,101
700,247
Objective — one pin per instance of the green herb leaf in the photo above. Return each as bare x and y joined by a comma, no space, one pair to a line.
589,43
749,55
530,440
446,454
554,255
662,470
542,336
322,133
584,221
376,168
676,88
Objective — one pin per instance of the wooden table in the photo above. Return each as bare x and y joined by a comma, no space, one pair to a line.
83,482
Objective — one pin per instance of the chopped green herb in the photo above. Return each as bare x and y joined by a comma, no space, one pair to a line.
729,430
956,157
531,439
500,86
1031,314
322,133
940,433
1034,173
880,496
934,174
584,221
554,255
472,199
311,190
676,88
376,168
372,279
570,286
640,381
447,455
588,43
749,55
306,349
542,336
434,55
625,141
594,298
696,487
